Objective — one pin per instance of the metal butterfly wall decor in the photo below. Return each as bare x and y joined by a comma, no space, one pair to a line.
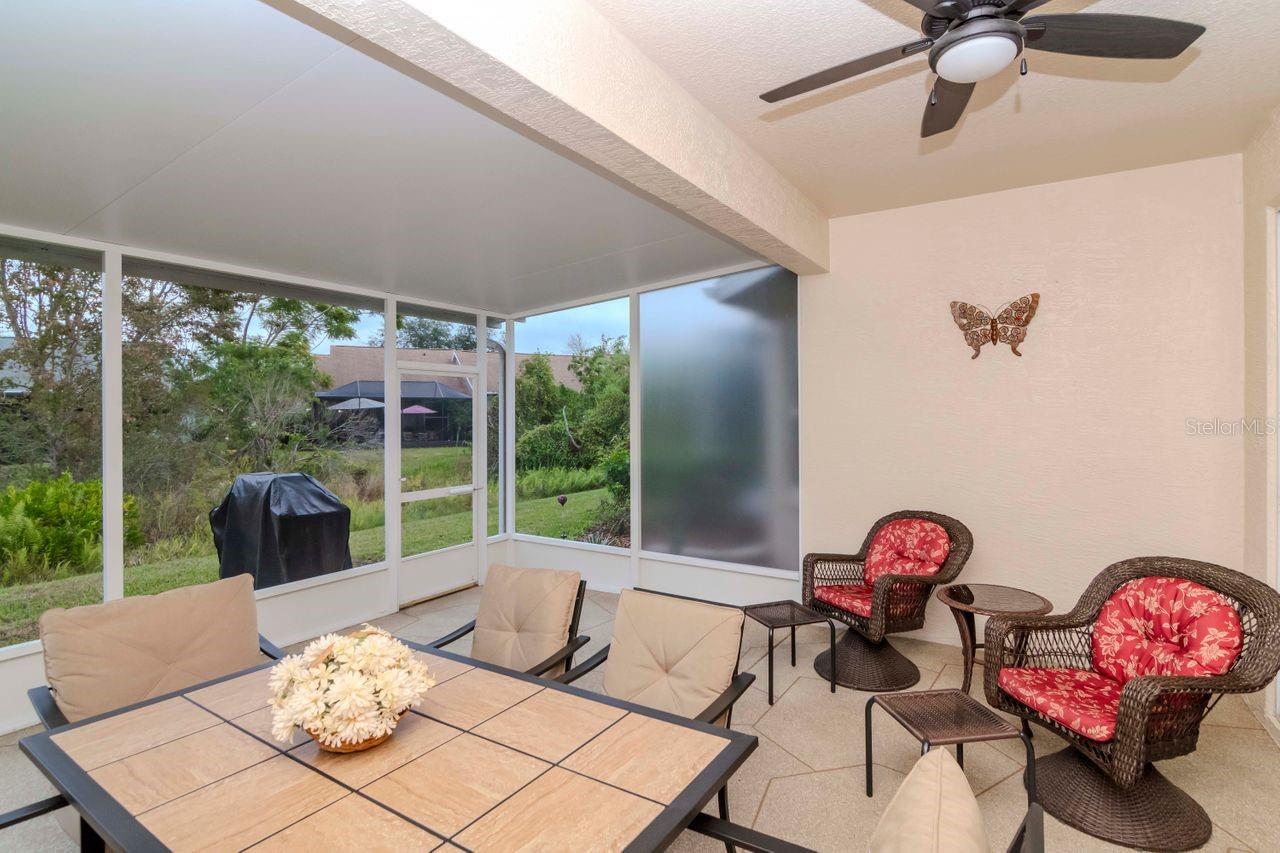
1008,325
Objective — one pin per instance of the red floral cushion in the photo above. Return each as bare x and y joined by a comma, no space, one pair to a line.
1083,701
855,598
1165,626
908,546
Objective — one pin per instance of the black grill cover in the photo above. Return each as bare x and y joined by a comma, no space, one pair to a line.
280,528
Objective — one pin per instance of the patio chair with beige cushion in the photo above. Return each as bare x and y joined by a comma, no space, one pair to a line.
102,657
934,811
527,620
678,655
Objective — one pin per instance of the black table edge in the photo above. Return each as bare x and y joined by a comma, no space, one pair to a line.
124,831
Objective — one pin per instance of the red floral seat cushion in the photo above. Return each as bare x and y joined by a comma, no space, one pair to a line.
1083,701
854,598
908,546
1165,626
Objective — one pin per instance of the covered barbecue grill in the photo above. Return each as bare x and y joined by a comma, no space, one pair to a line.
280,528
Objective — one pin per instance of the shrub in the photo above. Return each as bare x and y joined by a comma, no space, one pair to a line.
616,465
546,446
52,529
549,482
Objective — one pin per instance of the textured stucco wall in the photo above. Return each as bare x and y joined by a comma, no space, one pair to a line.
561,70
1261,197
1074,456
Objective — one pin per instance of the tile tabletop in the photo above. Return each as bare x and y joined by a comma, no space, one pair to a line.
490,760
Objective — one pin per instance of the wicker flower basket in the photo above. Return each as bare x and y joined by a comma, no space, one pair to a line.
323,650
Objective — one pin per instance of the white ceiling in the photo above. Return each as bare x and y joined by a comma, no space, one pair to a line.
856,147
226,130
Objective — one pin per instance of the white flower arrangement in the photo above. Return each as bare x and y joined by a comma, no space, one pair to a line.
344,690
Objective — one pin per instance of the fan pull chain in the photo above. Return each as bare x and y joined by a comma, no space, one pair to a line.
933,97
1023,69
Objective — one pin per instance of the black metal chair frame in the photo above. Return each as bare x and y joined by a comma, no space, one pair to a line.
722,706
563,655
51,717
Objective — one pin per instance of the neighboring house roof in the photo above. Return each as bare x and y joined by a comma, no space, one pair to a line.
346,364
375,389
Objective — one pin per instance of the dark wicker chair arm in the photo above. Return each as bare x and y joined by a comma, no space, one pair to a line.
724,702
454,636
742,837
269,648
27,812
565,653
825,569
584,667
1063,640
51,716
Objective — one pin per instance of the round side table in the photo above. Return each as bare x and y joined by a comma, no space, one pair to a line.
968,599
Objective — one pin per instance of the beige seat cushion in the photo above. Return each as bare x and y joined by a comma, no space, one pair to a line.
670,653
934,811
104,656
524,616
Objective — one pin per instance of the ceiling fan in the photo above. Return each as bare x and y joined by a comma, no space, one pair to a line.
971,40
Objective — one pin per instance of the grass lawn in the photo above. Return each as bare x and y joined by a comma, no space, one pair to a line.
449,524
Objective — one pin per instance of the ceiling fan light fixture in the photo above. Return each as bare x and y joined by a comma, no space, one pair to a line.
974,59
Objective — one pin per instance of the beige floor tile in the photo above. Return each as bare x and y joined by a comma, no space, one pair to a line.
468,597
394,621
825,810
784,674
12,738
1232,711
21,783
601,635
751,706
1233,775
607,600
825,731
592,614
747,787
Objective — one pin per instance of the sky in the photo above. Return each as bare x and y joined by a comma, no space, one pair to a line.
540,333
551,332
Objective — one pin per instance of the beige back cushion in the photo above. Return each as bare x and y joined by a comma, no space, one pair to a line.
524,615
104,656
670,653
934,811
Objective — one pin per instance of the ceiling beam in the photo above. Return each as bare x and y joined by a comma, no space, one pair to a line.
561,72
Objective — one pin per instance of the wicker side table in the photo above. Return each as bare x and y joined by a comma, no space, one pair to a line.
967,599
788,614
942,717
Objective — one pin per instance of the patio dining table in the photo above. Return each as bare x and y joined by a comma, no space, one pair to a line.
492,759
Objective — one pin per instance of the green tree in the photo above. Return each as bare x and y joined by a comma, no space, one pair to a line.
54,315
539,398
261,397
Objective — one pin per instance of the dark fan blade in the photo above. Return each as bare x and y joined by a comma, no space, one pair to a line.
925,6
1021,7
946,105
845,71
1110,36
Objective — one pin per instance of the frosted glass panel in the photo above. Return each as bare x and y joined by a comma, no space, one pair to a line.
719,452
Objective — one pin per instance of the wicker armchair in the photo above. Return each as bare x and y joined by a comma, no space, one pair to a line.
863,659
1116,794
